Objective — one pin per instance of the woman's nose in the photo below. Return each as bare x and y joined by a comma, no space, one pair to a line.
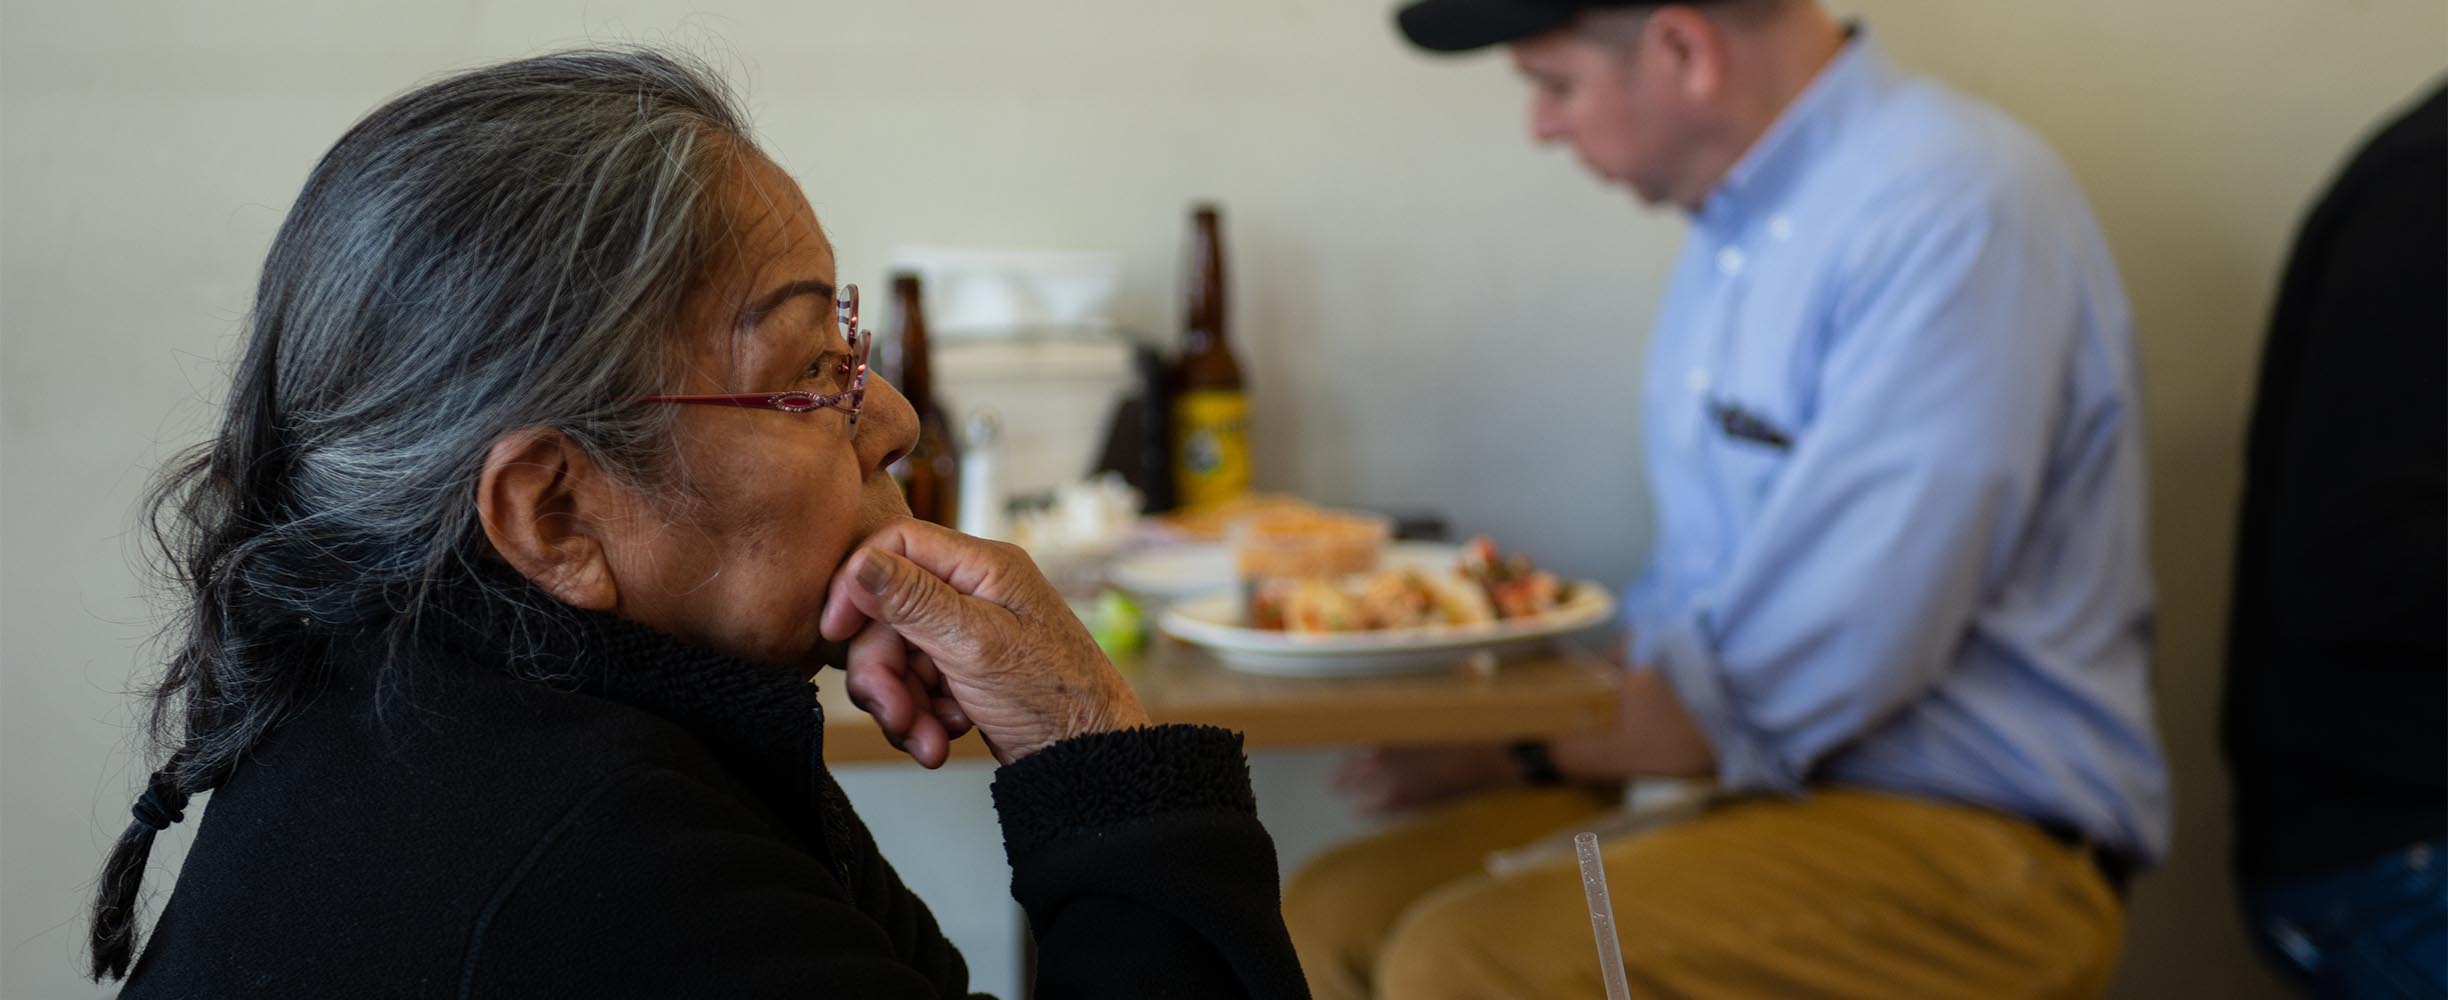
887,429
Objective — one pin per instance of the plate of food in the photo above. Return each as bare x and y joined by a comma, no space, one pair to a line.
1427,609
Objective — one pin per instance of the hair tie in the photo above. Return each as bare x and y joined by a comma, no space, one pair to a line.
153,812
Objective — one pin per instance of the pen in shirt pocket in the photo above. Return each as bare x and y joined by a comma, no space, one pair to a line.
1737,422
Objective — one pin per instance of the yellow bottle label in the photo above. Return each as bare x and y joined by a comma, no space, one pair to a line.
1210,446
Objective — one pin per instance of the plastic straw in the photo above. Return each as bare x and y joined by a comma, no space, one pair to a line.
1602,917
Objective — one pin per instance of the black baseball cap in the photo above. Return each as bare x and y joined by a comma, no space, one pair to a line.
1463,25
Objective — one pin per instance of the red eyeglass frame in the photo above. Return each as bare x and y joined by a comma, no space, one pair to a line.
846,307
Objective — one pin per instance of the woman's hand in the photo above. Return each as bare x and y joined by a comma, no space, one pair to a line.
948,631
1389,781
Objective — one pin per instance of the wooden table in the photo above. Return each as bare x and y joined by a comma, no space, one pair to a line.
1567,690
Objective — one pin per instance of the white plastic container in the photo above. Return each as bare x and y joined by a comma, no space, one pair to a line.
986,293
1055,396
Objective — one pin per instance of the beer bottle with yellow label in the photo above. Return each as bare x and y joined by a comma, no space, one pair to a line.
1211,459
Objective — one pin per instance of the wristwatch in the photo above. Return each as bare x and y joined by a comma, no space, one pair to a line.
1537,768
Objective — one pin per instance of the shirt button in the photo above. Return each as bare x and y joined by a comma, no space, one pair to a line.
1697,379
1780,228
1730,261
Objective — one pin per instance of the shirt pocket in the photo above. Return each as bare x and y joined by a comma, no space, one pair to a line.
1751,446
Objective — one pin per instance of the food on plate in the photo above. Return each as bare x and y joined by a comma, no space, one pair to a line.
1484,585
1299,544
1517,588
1210,522
1413,597
1320,606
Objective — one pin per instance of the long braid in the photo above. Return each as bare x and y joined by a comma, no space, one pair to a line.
215,517
164,802
213,514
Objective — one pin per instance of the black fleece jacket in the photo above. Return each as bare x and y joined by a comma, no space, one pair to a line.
2337,658
628,816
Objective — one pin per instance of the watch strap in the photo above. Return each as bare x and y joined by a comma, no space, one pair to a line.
1535,765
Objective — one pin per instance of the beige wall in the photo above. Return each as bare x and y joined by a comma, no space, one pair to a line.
1392,231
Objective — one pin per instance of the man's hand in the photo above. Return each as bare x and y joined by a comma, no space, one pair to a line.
1655,736
1390,781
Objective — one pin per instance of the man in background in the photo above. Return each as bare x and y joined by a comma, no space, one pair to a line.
1899,606
2337,648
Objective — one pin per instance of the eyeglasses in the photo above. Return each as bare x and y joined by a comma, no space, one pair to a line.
846,306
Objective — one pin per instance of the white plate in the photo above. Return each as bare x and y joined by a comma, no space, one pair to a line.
1215,622
1176,572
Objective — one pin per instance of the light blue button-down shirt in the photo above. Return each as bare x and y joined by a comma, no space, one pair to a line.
1894,437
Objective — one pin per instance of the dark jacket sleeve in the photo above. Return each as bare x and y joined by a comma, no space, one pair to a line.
1145,873
2357,539
2336,694
664,883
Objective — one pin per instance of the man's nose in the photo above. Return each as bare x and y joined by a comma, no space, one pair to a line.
1545,125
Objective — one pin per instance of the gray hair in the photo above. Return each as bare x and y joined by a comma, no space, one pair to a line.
504,248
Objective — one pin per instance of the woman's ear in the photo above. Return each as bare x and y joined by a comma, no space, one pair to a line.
539,499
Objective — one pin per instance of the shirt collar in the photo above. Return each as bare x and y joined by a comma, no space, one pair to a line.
1845,90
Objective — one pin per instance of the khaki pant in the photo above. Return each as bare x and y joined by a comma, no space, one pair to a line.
1844,893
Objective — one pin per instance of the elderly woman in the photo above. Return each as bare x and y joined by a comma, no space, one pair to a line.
547,482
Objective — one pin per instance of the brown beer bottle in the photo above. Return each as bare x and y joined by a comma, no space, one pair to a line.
930,474
1210,402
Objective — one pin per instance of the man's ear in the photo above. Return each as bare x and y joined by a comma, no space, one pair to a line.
543,506
1697,47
